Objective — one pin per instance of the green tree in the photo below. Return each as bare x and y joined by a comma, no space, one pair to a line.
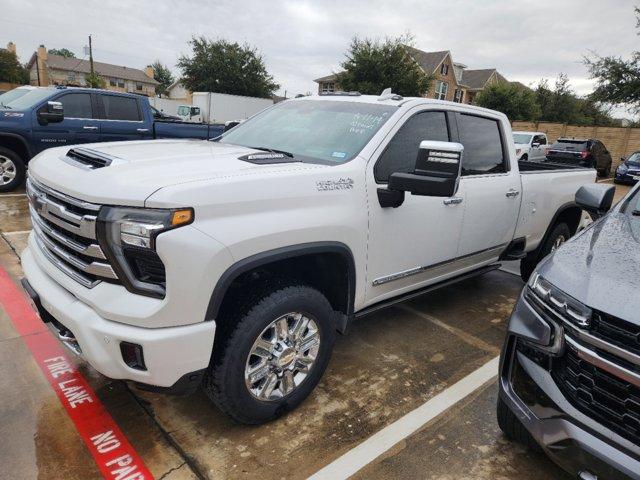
617,79
224,67
95,81
10,69
373,65
162,74
63,52
517,102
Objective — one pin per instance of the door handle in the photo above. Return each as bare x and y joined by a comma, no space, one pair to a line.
89,127
512,192
142,130
452,201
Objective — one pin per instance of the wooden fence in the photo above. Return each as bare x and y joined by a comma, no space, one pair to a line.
621,142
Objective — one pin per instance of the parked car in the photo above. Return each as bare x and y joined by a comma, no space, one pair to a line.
570,367
530,145
49,117
586,152
234,262
629,170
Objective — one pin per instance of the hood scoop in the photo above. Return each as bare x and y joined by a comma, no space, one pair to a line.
89,159
268,158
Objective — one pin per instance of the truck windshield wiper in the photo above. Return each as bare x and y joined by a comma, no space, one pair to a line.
273,150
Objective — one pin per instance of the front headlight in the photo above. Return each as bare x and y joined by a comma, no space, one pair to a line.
561,306
128,238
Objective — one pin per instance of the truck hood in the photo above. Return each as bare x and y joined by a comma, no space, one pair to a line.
601,267
140,168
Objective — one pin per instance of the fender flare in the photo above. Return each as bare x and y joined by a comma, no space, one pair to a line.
21,139
278,254
554,219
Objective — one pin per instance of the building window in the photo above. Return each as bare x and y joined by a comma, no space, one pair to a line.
71,77
121,83
113,82
441,90
457,96
328,87
444,69
139,86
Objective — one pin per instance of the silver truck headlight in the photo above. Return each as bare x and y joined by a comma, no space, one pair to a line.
128,238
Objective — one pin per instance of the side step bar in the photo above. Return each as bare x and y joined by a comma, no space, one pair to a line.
422,291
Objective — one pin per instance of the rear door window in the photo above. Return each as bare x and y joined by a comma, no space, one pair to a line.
120,108
483,147
402,151
76,105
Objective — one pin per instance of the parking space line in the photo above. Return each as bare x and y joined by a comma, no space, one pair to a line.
112,452
464,336
13,195
366,452
19,232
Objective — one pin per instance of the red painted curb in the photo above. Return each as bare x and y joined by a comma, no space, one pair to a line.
112,452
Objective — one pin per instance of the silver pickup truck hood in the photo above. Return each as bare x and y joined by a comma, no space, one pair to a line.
135,170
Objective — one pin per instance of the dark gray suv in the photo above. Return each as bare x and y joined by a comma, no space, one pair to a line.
570,366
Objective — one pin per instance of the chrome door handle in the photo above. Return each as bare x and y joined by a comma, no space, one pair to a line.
512,192
89,127
142,130
452,201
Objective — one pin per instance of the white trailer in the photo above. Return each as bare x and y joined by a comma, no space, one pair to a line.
209,107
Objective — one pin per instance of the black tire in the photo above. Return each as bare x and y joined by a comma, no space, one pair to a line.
18,167
524,158
513,428
530,262
224,382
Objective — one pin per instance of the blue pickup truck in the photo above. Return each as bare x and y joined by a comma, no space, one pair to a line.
34,119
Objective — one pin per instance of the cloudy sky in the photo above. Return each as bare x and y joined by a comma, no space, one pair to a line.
302,40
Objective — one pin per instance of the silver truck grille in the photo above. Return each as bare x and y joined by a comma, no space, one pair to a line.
65,231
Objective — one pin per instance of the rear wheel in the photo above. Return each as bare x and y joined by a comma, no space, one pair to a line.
559,234
12,170
513,428
272,352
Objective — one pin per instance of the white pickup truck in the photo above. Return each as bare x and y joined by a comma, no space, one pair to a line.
530,146
232,263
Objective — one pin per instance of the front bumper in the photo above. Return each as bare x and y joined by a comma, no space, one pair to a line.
576,442
171,354
626,177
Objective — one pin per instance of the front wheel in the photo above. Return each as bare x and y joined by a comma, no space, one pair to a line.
560,234
12,170
272,353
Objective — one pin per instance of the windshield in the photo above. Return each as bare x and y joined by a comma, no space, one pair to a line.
571,145
32,98
12,95
183,110
329,132
634,158
521,138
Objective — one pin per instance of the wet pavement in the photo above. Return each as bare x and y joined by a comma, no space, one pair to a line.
389,364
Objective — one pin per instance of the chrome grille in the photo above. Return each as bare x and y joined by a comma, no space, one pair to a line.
65,231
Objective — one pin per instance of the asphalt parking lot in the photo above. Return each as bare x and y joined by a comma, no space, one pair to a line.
390,364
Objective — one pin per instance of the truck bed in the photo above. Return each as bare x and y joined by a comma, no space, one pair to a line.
541,167
546,187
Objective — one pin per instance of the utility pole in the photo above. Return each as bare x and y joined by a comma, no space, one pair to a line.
90,56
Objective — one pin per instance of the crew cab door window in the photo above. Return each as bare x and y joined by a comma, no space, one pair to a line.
76,105
400,155
121,108
483,147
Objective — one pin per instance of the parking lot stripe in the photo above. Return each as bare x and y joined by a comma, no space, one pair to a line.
19,232
464,336
366,452
13,195
112,452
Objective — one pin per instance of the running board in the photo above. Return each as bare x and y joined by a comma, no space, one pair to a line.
422,291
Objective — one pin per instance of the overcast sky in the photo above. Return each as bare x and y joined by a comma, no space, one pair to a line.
302,40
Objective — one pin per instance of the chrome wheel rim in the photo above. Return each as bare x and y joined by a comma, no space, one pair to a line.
558,242
282,357
8,170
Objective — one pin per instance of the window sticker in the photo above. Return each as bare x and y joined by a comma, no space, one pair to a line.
339,154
